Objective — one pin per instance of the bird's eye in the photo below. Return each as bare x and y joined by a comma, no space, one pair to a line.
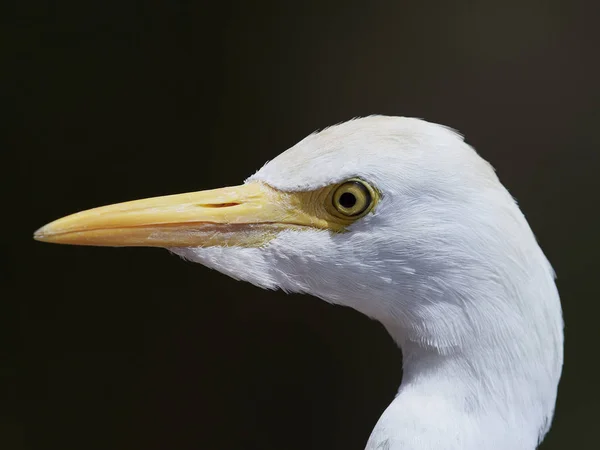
352,198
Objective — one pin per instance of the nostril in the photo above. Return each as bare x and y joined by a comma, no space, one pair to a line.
218,205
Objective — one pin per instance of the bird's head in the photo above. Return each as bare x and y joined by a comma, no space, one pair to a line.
403,221
395,217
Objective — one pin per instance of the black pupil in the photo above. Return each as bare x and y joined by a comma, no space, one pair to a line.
347,200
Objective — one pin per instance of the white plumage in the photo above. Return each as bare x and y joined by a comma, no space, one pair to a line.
445,261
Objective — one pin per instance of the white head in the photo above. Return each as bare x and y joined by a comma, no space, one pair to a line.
443,258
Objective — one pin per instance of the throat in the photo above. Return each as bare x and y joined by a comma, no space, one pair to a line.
489,395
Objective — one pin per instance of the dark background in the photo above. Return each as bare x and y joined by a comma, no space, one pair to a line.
137,349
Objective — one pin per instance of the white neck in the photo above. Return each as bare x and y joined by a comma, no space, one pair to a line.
496,392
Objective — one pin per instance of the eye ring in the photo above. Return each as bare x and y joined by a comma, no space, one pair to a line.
353,198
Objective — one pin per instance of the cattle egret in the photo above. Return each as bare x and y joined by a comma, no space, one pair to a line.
401,220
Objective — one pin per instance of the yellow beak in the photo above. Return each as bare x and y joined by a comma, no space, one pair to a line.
246,215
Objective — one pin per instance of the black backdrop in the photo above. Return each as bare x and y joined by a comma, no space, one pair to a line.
136,349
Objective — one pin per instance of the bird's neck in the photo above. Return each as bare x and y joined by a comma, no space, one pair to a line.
497,391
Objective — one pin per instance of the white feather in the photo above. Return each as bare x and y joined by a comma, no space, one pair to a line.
448,264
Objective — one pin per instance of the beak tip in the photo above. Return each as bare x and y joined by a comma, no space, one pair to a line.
42,234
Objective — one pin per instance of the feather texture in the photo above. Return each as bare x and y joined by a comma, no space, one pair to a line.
446,262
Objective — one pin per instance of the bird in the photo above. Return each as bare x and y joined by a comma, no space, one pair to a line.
402,220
